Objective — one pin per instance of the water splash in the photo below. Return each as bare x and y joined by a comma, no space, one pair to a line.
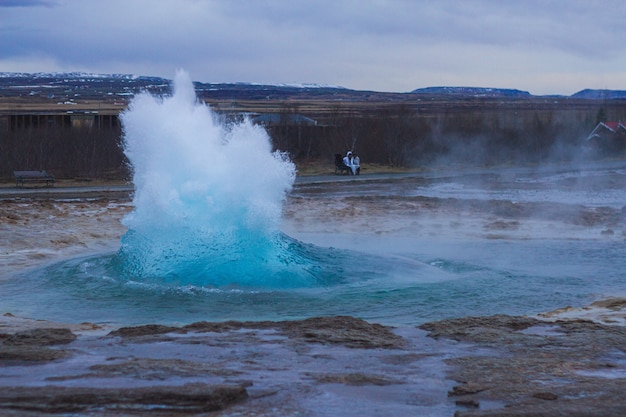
208,197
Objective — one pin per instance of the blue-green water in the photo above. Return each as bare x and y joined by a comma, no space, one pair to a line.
432,282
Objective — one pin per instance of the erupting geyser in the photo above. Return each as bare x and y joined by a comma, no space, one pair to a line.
208,197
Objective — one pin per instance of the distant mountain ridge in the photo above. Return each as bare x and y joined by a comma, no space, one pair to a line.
38,75
474,92
139,79
95,86
600,94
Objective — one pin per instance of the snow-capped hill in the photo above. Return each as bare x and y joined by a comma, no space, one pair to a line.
97,86
65,75
296,85
84,76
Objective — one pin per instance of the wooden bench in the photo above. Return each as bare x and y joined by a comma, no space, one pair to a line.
32,176
340,166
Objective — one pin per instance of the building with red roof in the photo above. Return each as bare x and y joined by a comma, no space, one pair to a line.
608,137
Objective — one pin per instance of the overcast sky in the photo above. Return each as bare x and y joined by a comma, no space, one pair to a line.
540,46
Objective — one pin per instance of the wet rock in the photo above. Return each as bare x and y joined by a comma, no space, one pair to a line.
548,396
32,345
609,311
343,330
478,328
470,388
152,369
470,403
531,372
610,303
227,326
354,379
17,354
502,225
41,337
188,399
145,330
597,216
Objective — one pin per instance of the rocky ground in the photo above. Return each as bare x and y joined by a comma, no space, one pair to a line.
562,368
36,231
473,366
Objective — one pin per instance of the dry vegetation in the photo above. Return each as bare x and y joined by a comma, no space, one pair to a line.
395,134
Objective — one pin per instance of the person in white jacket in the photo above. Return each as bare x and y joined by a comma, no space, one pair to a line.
356,163
353,162
348,161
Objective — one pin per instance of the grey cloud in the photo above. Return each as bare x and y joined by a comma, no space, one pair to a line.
577,27
28,3
344,42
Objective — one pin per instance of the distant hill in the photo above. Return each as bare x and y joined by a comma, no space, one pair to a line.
118,87
474,92
98,86
601,94
76,84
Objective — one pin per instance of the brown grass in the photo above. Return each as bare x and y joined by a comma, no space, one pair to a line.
316,167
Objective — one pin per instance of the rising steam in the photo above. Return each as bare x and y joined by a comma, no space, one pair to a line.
208,196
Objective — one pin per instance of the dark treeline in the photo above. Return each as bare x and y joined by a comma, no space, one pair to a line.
398,136
65,152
